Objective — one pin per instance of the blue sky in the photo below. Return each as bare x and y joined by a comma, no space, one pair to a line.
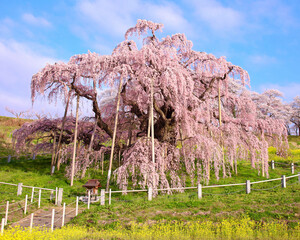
262,36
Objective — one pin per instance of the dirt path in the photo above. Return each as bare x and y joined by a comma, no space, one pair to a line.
42,217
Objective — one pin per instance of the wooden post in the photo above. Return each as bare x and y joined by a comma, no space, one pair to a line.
31,221
248,187
2,225
109,197
39,202
60,196
89,199
32,195
56,194
292,168
102,197
33,156
19,189
53,153
9,158
76,209
6,212
272,164
52,219
75,142
199,191
114,136
150,193
63,215
299,177
25,207
52,170
283,181
152,123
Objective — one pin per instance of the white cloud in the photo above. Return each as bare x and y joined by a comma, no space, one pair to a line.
18,63
262,60
290,90
115,17
37,21
219,18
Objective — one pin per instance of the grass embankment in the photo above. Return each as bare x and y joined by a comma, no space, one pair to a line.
222,213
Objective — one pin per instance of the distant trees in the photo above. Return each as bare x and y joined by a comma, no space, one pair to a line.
203,118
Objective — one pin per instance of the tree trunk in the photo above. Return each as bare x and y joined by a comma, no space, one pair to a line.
57,154
75,140
114,136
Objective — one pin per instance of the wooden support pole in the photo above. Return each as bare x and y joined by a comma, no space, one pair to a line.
6,212
102,197
75,142
76,208
40,194
152,122
19,189
114,136
150,194
89,199
25,207
248,187
109,197
283,181
31,221
299,177
32,195
199,191
63,215
52,219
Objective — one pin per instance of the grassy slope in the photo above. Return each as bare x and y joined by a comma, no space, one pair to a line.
275,204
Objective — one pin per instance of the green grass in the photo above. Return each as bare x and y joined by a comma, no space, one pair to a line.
217,205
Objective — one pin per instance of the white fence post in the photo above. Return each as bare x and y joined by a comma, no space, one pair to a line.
52,219
76,209
150,193
272,164
248,186
283,181
19,189
2,225
299,177
25,207
63,216
56,193
292,168
6,212
39,202
60,196
32,195
199,191
89,199
109,197
8,158
102,197
31,221
33,156
53,169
